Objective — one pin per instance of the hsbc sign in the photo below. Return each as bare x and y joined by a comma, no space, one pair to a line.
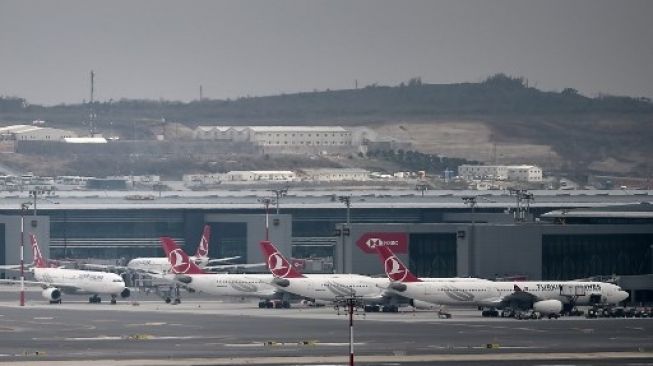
398,242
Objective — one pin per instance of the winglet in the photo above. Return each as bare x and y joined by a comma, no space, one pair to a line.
37,257
203,247
277,263
179,261
394,267
517,288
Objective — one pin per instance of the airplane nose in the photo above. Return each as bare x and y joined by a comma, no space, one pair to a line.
622,295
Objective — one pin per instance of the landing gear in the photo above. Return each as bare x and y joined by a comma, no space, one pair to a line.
95,299
274,304
390,309
113,299
492,313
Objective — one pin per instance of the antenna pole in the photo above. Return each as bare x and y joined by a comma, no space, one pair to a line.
91,116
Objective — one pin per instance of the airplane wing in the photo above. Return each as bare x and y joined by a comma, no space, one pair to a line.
26,282
11,267
64,287
518,299
121,269
104,267
233,266
224,259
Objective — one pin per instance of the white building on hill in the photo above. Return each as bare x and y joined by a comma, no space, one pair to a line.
222,133
34,133
525,173
335,175
282,139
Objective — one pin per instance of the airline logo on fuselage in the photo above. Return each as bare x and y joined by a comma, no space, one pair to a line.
91,276
558,286
177,262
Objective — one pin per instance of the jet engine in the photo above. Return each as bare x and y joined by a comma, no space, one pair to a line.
281,282
547,307
125,293
423,305
184,278
52,294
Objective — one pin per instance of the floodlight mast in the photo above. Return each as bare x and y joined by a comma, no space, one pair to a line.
266,201
23,212
280,193
471,202
345,230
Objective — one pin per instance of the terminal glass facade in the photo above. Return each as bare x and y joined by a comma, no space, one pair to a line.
3,246
112,234
230,242
566,257
433,254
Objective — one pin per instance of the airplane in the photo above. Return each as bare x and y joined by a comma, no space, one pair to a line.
544,297
56,281
184,270
329,287
160,265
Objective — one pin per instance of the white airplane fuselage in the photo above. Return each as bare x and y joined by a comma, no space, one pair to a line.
489,293
582,292
239,285
452,293
330,287
81,282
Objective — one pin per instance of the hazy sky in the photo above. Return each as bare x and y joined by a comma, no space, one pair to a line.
166,49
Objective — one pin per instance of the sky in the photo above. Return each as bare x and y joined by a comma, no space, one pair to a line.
166,49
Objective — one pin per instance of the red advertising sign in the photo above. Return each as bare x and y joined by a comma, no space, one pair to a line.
397,242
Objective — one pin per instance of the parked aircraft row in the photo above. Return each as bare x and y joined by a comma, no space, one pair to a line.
286,283
401,287
56,280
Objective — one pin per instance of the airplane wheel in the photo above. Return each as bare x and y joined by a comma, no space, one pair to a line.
113,301
177,301
261,304
167,300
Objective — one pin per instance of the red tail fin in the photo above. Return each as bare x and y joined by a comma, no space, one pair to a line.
179,261
277,263
37,257
394,268
203,247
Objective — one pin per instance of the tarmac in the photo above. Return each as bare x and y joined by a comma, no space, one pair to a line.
205,330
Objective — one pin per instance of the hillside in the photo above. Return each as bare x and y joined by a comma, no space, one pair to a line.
501,119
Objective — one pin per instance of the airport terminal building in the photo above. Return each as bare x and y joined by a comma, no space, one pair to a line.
559,236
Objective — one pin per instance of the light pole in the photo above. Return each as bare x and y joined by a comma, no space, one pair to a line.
345,230
34,193
471,202
350,303
422,186
280,193
266,201
23,211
